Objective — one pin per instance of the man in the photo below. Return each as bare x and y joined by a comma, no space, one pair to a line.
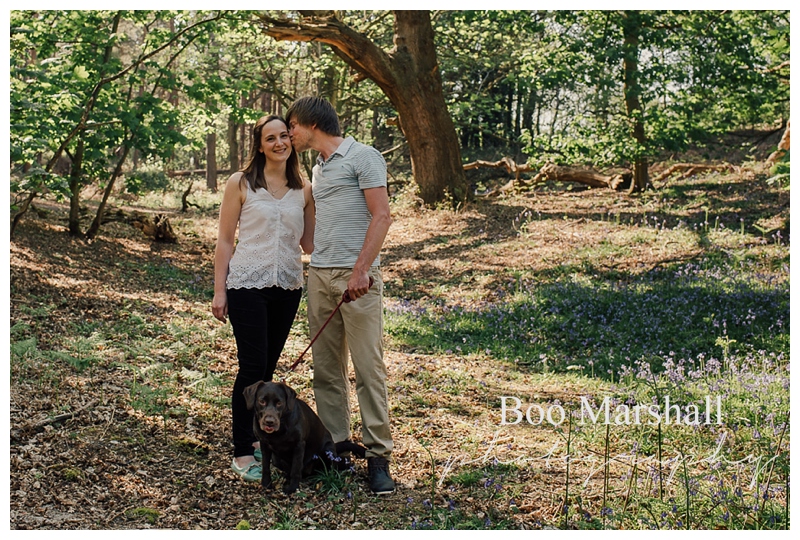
353,217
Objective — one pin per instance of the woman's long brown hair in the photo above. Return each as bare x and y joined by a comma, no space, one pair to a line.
254,170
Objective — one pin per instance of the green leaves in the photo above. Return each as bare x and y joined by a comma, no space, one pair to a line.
80,72
558,77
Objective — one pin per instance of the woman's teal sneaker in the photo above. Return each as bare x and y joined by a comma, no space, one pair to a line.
250,473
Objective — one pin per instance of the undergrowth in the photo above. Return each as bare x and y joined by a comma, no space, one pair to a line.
709,330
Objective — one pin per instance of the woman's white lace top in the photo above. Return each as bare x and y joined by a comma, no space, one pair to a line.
268,251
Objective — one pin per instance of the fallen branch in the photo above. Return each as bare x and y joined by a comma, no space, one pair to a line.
690,169
550,171
155,226
506,163
587,177
59,418
509,165
158,229
195,172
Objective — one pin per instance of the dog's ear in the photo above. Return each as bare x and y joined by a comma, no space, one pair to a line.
291,397
250,394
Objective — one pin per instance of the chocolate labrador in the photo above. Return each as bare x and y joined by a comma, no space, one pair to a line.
291,434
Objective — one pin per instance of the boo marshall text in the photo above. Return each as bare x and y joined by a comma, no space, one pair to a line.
512,412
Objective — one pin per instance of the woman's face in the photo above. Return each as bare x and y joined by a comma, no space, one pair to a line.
275,142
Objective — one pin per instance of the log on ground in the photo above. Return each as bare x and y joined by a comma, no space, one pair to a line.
554,172
687,170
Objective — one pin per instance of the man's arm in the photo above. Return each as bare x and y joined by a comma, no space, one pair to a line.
378,205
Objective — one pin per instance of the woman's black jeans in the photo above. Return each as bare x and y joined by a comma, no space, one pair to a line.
261,320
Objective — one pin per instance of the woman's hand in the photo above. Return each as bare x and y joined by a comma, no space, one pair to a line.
219,306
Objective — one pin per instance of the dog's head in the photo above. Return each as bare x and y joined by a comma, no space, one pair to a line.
270,402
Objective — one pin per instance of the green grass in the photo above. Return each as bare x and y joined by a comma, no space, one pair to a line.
285,520
602,324
150,515
714,324
331,481
642,476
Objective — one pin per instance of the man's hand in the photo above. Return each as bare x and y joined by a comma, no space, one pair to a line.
358,285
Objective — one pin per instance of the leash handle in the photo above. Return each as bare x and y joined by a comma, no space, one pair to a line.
345,299
346,294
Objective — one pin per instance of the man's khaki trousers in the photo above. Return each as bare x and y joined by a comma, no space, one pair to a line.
357,328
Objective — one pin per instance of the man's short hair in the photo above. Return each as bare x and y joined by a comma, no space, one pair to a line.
315,111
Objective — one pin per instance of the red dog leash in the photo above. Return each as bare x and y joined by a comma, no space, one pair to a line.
345,299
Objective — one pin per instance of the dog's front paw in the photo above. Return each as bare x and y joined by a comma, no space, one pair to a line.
291,486
266,480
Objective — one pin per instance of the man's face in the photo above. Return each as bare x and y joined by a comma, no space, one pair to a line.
300,135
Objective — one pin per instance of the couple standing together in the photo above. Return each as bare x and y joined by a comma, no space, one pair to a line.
342,221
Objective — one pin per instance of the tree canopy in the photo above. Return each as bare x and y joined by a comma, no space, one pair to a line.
102,96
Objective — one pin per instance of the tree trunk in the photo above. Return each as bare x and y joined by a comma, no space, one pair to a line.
518,119
77,162
211,162
233,144
528,110
631,28
94,228
244,143
74,222
409,76
554,119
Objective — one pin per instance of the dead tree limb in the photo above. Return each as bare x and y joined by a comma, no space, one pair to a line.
59,418
185,204
158,228
396,147
587,177
195,172
687,170
551,171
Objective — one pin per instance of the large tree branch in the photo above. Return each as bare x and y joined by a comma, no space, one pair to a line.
356,49
409,76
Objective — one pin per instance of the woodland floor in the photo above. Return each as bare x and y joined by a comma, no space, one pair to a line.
137,453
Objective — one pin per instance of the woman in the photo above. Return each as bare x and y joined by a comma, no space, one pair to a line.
259,285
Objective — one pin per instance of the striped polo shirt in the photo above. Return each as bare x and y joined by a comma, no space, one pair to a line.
342,214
